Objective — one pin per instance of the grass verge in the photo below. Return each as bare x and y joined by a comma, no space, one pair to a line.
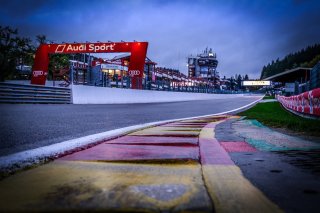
273,115
268,97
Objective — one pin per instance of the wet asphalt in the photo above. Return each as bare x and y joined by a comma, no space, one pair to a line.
291,179
28,126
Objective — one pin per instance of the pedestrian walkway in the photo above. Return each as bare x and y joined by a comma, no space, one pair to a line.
175,167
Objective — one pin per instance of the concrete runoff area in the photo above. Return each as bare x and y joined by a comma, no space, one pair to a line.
169,176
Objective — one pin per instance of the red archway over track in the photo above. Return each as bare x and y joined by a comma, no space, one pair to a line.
138,52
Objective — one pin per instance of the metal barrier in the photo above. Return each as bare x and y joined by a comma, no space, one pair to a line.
163,86
19,93
307,103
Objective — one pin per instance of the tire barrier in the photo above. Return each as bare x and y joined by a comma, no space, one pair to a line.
306,103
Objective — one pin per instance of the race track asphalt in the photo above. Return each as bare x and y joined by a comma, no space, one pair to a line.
27,126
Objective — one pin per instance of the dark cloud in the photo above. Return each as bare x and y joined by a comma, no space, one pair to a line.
19,9
245,34
300,31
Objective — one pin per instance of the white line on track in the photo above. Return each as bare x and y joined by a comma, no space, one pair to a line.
34,156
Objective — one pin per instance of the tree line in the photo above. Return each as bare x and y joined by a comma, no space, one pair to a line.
13,50
307,57
235,81
17,50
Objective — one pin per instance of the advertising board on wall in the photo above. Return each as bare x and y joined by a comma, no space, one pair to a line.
256,83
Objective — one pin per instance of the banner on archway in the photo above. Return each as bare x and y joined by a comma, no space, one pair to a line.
138,52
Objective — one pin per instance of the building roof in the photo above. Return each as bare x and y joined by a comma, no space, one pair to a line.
124,55
288,74
127,55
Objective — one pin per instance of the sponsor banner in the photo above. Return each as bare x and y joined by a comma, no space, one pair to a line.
153,76
40,66
92,47
72,48
256,83
113,67
306,103
138,51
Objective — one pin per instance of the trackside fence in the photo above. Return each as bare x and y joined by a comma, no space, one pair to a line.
307,103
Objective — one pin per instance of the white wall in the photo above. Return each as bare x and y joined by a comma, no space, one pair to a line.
104,95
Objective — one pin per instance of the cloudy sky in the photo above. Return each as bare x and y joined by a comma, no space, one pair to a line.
245,34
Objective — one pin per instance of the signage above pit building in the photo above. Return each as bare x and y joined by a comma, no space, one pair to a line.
113,67
256,83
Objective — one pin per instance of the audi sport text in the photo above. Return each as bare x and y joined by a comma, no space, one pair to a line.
84,47
100,47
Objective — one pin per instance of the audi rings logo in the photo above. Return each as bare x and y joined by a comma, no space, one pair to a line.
37,73
133,72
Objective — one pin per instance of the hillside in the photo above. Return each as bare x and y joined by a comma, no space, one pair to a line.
307,57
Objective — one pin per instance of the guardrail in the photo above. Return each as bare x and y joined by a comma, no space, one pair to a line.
306,103
18,93
164,86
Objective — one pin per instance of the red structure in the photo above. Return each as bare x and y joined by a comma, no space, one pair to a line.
138,52
306,103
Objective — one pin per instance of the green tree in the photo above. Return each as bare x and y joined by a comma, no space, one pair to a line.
14,50
246,77
314,61
25,51
41,39
305,57
7,51
239,80
57,62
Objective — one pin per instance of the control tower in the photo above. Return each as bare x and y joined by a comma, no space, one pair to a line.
204,66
